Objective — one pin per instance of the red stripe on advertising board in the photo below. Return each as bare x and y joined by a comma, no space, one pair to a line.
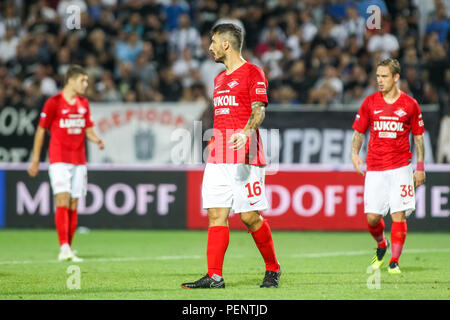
297,200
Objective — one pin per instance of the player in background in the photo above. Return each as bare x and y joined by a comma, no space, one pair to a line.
235,171
389,181
68,118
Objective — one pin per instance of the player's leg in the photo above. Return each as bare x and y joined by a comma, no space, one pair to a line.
402,204
250,198
73,218
62,224
60,176
78,190
217,199
259,228
398,236
376,205
218,240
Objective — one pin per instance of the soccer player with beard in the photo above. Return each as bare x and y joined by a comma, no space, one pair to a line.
68,118
235,171
389,181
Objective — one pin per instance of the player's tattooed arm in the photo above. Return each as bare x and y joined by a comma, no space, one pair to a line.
420,147
256,118
419,174
357,142
238,140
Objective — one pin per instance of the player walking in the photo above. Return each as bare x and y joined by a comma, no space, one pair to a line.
67,117
389,183
234,175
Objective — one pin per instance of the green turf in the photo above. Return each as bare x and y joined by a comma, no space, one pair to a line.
153,264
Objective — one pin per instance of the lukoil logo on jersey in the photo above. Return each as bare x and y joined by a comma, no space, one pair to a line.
388,126
225,101
72,123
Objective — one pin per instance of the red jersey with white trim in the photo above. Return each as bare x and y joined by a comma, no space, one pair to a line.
67,124
233,96
390,125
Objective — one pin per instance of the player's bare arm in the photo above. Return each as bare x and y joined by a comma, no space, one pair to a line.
419,175
238,140
357,142
92,136
39,136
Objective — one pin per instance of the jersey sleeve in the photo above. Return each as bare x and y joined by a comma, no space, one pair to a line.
361,122
48,114
89,121
258,86
417,125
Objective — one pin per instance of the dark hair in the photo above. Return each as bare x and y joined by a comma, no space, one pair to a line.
393,65
73,71
232,32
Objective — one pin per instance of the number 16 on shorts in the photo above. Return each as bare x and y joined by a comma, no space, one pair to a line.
253,189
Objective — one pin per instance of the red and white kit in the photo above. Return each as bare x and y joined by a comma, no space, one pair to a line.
389,178
67,124
232,178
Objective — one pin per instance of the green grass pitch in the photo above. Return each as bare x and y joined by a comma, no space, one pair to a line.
152,265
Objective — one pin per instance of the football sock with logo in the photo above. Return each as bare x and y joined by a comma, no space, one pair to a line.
264,242
398,236
73,221
62,224
218,239
377,232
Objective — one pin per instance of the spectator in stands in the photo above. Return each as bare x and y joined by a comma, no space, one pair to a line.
385,43
135,25
172,12
107,89
128,48
170,86
328,89
440,25
355,24
8,46
185,36
185,68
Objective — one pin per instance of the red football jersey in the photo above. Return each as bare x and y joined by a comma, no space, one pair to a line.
390,125
233,95
67,124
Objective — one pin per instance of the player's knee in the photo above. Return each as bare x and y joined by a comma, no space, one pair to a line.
62,199
373,219
216,217
250,218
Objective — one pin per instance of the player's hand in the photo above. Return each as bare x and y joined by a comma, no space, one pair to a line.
33,169
358,164
419,178
238,140
101,144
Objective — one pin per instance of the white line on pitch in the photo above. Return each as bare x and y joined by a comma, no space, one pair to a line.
162,258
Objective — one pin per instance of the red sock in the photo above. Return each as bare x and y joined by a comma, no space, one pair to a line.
263,240
218,239
398,236
377,232
62,224
73,221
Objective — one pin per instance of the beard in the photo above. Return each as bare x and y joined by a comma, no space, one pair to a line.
219,59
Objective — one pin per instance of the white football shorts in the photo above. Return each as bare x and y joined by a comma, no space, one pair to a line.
67,177
389,191
238,186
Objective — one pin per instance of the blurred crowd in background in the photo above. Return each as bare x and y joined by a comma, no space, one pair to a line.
312,51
